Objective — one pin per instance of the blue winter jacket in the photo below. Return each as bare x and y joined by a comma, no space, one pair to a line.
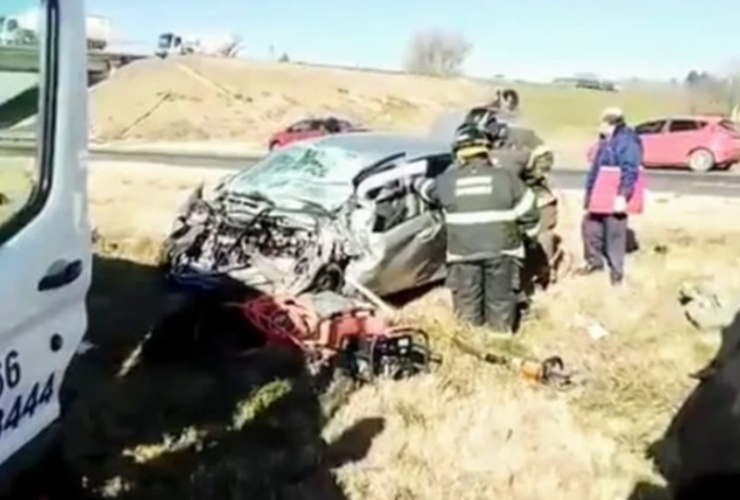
624,150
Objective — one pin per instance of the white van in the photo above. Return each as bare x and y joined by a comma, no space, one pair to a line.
45,238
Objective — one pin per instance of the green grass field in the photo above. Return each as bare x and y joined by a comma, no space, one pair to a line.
553,108
246,101
570,111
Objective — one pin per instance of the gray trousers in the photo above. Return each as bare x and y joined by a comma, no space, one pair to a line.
483,292
605,237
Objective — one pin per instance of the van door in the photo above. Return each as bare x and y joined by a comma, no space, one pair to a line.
45,240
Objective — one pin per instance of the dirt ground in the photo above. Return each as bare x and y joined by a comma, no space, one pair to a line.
467,431
207,99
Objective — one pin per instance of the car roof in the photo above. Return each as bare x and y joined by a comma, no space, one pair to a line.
708,118
378,145
323,118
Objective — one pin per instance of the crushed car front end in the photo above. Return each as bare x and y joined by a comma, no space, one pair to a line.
237,238
312,219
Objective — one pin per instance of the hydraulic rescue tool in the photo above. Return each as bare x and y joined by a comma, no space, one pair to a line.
550,371
352,338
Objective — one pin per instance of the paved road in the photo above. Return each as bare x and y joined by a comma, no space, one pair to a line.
710,184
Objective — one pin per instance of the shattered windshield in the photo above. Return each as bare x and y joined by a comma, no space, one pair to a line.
298,174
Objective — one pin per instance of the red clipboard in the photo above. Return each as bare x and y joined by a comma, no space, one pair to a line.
606,188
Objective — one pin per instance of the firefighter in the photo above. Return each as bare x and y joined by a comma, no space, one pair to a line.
488,214
519,141
332,125
540,254
536,178
522,151
505,107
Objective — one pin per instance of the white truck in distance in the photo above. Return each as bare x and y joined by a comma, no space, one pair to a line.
23,29
217,44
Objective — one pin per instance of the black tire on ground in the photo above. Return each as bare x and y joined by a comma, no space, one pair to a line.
273,145
701,160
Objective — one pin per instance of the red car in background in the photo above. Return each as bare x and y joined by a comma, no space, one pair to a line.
311,127
700,143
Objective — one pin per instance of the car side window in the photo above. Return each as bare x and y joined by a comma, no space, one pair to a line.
683,126
437,165
729,126
654,127
391,193
24,174
302,126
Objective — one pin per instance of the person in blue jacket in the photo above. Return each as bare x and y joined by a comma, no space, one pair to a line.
605,235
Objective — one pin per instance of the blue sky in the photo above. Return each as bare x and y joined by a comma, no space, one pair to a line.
523,38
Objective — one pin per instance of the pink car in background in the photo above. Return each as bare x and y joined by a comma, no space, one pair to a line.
306,129
700,143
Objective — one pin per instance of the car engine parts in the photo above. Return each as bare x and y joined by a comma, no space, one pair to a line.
255,244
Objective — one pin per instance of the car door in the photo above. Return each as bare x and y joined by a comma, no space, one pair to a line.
653,137
296,131
684,135
407,241
45,240
315,129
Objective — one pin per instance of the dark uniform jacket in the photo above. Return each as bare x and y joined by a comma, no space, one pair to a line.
520,143
487,210
523,138
531,160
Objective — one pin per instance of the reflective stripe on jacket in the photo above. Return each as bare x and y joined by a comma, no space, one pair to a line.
487,210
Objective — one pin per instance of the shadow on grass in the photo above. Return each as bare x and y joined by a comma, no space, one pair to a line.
699,453
198,415
649,491
401,299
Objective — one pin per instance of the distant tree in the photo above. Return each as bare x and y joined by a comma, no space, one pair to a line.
436,52
709,92
232,48
693,79
284,58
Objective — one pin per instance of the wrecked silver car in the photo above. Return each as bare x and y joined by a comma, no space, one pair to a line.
315,215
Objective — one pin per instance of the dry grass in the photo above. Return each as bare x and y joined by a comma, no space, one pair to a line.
196,99
468,431
472,431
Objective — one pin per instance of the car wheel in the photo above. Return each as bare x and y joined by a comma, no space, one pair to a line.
274,145
701,160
